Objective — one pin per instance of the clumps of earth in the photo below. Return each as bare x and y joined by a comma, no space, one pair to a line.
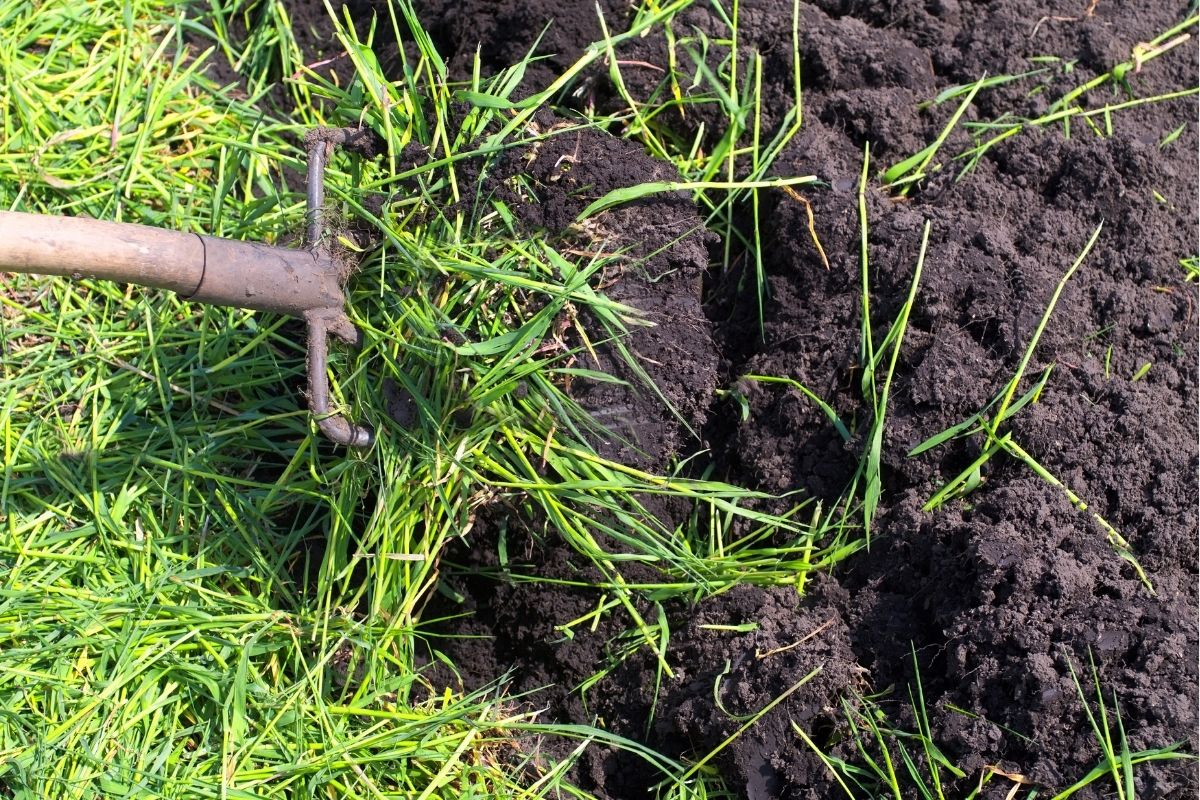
995,599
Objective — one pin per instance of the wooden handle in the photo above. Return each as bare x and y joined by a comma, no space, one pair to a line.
204,268
77,247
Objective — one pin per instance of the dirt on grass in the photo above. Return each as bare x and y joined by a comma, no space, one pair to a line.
995,597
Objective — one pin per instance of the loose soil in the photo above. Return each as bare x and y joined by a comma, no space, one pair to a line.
994,596
655,253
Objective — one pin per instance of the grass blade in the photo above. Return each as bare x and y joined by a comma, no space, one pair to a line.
628,194
1011,389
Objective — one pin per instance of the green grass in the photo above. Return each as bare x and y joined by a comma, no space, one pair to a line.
904,174
178,557
200,598
1062,111
178,615
876,389
1117,761
1191,268
878,358
879,759
987,425
713,86
1067,107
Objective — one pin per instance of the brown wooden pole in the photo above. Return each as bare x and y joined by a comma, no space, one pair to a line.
207,269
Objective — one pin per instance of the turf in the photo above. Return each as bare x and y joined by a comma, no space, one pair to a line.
201,598
183,611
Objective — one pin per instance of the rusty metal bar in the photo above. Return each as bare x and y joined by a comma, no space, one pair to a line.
321,324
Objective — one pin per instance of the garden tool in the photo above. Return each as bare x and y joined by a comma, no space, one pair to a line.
304,283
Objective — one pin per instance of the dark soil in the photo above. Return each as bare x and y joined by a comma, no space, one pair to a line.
996,596
658,258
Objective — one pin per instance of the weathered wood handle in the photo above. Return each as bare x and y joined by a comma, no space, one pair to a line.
207,269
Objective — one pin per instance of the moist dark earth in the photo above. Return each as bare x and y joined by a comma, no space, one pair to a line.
995,595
